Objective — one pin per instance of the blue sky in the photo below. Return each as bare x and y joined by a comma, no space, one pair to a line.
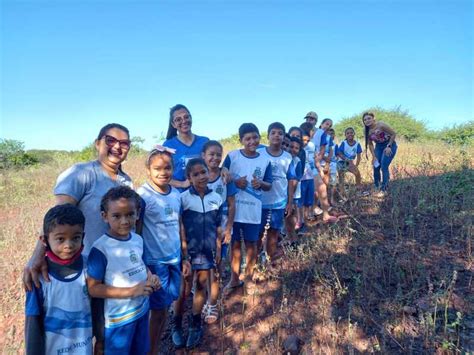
69,67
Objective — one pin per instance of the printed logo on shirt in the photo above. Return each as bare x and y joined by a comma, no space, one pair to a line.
168,211
257,173
133,257
274,167
220,189
213,204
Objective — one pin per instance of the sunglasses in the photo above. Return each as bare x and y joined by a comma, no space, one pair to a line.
112,141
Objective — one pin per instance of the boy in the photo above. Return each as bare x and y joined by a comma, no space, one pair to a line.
252,174
307,181
117,273
277,202
58,314
293,219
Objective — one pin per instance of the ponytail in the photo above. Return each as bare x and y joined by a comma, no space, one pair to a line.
367,129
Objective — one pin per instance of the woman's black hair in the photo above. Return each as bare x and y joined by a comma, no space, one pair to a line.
294,128
173,132
192,163
118,192
155,152
325,120
210,144
61,215
247,128
103,131
366,131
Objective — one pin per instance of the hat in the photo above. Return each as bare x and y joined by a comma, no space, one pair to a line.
311,114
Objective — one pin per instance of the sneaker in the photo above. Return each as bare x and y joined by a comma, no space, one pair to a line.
177,336
318,211
194,337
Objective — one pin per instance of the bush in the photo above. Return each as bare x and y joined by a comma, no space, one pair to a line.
12,154
462,134
400,120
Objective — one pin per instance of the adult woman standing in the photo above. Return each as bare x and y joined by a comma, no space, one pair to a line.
187,144
385,147
83,185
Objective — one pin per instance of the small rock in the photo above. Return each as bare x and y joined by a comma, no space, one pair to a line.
292,345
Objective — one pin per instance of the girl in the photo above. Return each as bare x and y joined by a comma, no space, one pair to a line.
212,155
349,152
159,225
385,148
201,236
292,220
332,168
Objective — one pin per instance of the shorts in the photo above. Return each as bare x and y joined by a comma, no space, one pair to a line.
131,338
307,192
170,279
274,217
342,165
224,251
246,231
202,262
298,202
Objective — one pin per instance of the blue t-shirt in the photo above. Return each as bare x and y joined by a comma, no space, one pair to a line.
87,183
184,153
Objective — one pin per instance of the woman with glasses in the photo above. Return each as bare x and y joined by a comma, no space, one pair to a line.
186,144
83,185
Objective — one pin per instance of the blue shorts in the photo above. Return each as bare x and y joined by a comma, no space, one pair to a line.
224,251
307,192
298,202
276,219
170,279
246,231
202,262
131,338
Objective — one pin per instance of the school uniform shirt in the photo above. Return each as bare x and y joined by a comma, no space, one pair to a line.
224,190
282,171
299,174
319,140
87,183
330,144
63,305
160,215
201,217
184,153
119,263
309,168
350,151
248,202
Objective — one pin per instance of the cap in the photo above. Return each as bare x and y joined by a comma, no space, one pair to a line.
311,114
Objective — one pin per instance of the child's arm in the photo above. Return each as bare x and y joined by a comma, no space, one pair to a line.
230,218
266,183
34,323
220,236
186,265
357,159
98,289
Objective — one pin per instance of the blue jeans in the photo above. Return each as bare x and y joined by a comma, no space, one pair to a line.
384,162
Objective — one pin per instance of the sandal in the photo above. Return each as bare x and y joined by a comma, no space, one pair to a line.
212,314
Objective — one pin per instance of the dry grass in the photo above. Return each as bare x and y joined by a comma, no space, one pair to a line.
394,277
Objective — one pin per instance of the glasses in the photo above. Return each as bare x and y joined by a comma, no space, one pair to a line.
112,141
179,120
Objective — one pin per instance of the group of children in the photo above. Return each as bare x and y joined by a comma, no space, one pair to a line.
163,244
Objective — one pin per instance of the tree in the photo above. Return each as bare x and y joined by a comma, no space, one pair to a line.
12,154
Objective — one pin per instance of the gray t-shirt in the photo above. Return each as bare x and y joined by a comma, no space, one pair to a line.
87,183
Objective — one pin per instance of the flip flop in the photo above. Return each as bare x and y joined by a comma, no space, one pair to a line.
230,288
331,220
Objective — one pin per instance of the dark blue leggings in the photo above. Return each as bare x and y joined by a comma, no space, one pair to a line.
384,162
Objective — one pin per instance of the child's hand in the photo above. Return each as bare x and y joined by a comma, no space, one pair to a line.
186,268
227,236
142,289
256,183
241,182
288,210
225,174
154,281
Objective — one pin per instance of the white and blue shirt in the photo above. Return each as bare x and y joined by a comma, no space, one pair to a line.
87,183
160,214
201,217
283,170
184,153
64,305
350,151
119,263
248,202
299,174
224,190
330,144
319,140
309,168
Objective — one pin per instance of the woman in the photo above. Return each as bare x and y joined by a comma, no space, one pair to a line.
186,144
385,147
83,185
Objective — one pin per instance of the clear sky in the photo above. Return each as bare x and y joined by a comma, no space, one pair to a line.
68,67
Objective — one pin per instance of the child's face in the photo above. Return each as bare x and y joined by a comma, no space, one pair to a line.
350,134
213,156
326,125
65,240
275,137
121,217
294,149
286,144
295,133
160,170
250,141
332,134
305,140
199,177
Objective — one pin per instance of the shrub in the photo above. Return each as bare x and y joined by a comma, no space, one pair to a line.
12,154
459,134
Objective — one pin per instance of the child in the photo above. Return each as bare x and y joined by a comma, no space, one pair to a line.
348,152
307,180
277,202
332,168
251,173
212,155
58,314
292,219
202,236
159,225
117,273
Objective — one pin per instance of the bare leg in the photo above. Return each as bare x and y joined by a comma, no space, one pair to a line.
200,293
236,255
272,242
251,250
158,319
321,188
214,287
